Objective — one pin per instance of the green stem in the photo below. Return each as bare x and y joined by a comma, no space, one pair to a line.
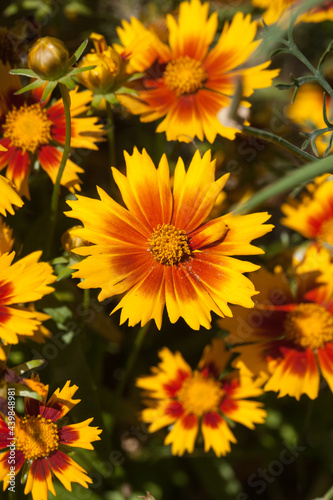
301,57
276,139
110,135
55,195
127,371
328,495
296,178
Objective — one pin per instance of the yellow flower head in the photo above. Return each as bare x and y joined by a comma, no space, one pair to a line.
186,82
109,65
40,441
188,399
160,250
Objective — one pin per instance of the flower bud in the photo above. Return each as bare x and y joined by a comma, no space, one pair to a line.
108,66
70,240
48,58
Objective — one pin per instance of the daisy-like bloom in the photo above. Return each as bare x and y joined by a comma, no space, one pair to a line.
30,130
25,281
312,215
281,10
189,399
160,251
287,339
307,112
188,84
41,443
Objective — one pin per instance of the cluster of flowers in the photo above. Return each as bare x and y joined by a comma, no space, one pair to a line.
162,250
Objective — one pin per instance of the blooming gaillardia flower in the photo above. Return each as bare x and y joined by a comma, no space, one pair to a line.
287,338
189,82
188,399
41,441
30,130
161,250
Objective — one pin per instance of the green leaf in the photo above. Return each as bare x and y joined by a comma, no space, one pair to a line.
66,273
29,365
77,53
59,314
26,393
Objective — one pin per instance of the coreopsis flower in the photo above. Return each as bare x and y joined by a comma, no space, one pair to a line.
189,83
24,281
41,443
307,112
31,130
188,399
108,67
282,10
312,215
287,338
159,250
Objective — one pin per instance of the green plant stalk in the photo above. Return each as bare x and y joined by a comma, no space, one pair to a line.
328,495
110,135
288,182
55,194
279,141
127,371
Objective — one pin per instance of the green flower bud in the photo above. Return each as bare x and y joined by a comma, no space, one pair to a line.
48,58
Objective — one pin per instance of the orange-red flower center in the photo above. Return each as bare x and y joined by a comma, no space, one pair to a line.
326,231
184,75
27,127
169,245
37,437
200,395
309,325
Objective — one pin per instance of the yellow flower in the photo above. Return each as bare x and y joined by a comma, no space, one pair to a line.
187,399
40,440
109,66
160,251
25,281
31,129
312,216
187,83
287,338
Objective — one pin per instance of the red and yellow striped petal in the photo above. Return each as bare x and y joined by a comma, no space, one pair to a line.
68,471
80,435
39,481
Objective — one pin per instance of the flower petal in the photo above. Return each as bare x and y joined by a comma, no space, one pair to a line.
183,434
217,434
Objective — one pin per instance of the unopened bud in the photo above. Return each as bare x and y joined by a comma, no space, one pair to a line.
48,58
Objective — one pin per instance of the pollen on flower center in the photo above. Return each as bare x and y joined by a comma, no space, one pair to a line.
200,395
184,75
37,437
27,127
169,245
309,325
326,231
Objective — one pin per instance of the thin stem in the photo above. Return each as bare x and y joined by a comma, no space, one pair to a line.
288,182
127,371
110,135
55,195
276,139
297,53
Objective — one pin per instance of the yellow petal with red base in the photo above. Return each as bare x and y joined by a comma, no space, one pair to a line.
80,435
296,374
325,360
183,434
217,434
39,480
8,197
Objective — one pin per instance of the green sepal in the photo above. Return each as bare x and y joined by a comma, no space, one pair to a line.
77,53
49,87
25,392
76,71
68,82
24,72
34,85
